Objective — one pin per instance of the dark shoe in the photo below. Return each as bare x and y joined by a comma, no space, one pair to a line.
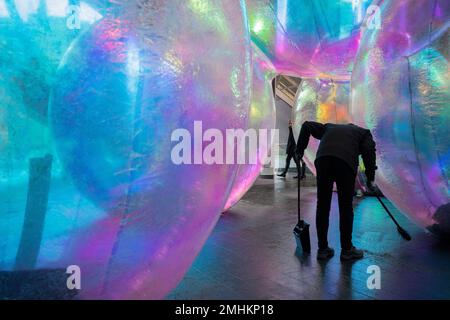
323,254
296,177
352,254
302,177
282,175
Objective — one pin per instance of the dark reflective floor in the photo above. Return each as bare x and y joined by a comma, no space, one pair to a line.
251,254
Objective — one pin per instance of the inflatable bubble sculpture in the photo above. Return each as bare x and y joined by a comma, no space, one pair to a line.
90,180
96,95
400,90
261,117
307,38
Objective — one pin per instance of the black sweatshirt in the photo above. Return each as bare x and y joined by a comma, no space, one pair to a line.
344,141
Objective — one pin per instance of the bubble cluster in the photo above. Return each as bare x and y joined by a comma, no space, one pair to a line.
91,92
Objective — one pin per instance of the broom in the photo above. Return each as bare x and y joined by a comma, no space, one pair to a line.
301,230
403,233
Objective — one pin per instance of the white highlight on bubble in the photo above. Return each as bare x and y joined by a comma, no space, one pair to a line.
89,14
3,9
282,19
259,25
56,8
26,8
357,7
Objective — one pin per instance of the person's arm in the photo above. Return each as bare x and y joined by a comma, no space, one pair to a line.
368,153
309,128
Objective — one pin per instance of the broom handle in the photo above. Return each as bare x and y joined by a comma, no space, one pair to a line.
388,211
298,190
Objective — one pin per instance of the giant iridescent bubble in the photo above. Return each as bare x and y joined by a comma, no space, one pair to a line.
308,38
33,38
400,90
118,206
261,122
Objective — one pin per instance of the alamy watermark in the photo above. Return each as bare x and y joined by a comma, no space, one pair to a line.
74,278
229,146
374,280
372,14
73,21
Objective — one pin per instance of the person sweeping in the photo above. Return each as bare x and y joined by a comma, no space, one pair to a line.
337,161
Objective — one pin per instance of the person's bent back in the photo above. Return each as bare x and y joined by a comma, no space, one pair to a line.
344,141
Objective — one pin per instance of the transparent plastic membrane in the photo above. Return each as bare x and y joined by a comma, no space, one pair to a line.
307,38
400,90
261,117
91,92
86,176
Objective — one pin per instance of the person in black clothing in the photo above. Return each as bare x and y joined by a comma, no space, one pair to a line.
337,161
290,154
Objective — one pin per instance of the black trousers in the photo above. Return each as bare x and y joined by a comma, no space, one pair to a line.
300,169
330,170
